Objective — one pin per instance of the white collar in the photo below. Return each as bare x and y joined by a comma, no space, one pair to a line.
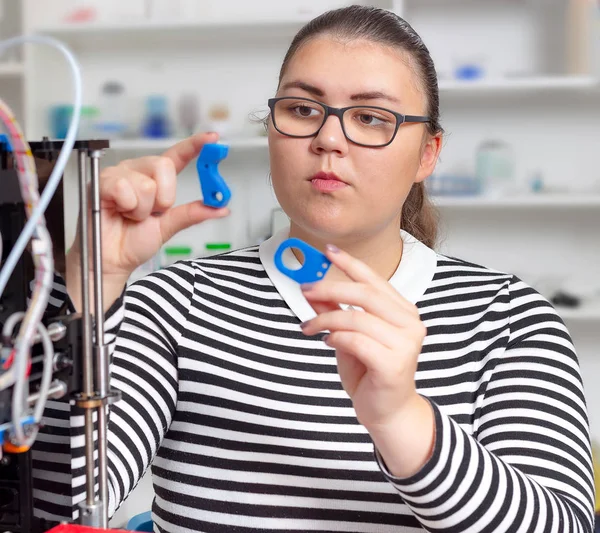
411,279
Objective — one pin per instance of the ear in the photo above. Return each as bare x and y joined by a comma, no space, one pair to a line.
430,152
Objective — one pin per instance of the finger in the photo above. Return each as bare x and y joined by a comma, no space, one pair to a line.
358,322
145,192
368,351
184,216
162,171
116,191
324,307
358,271
132,195
382,305
184,151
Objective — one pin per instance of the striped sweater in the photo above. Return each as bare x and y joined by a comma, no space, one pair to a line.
246,427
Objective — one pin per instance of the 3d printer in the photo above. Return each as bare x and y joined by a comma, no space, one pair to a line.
48,351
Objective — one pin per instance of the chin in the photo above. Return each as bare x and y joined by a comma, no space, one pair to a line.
326,227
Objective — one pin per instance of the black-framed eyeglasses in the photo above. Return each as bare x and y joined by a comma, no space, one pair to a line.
369,126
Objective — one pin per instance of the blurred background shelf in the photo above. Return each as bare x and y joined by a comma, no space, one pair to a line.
539,200
109,35
154,26
524,85
154,145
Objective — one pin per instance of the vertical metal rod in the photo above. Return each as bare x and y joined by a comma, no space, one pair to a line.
88,364
100,349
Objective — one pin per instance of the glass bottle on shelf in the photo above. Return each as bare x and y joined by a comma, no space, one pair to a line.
495,169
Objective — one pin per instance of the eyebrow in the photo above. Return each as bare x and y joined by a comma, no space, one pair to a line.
367,95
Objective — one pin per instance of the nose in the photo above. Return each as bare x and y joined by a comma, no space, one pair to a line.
330,138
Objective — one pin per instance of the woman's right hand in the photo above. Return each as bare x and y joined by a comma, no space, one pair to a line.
137,212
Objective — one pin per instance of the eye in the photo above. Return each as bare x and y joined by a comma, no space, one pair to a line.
370,120
303,110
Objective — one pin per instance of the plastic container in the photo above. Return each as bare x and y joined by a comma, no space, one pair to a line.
60,119
495,169
112,123
156,121
188,109
60,116
87,123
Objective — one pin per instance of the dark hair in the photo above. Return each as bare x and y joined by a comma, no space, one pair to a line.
419,217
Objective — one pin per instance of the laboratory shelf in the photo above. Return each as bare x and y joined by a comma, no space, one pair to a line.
530,201
119,34
154,145
146,25
519,86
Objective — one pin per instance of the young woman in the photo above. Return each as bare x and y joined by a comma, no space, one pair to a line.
446,396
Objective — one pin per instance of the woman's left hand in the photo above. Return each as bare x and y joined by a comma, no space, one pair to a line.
377,349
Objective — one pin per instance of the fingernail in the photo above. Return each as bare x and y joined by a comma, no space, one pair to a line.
332,248
307,286
304,324
325,338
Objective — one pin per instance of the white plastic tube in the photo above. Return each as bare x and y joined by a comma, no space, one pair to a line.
63,157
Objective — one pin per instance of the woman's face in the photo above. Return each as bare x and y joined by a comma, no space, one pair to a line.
376,181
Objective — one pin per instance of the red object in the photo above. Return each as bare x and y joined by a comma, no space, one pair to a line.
83,14
74,528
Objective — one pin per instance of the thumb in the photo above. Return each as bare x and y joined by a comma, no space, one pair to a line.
184,216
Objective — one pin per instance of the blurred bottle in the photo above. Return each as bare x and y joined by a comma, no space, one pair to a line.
469,68
219,120
87,123
112,111
60,119
156,121
495,168
188,108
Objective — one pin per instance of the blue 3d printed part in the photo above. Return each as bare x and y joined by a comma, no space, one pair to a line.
214,189
315,264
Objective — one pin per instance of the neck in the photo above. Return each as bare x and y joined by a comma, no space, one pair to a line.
381,252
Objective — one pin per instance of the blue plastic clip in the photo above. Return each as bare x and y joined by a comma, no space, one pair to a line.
315,264
214,189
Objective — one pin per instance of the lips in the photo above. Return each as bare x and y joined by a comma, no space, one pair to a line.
327,182
327,176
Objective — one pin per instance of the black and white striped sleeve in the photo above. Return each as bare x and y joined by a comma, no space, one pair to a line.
144,370
527,467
